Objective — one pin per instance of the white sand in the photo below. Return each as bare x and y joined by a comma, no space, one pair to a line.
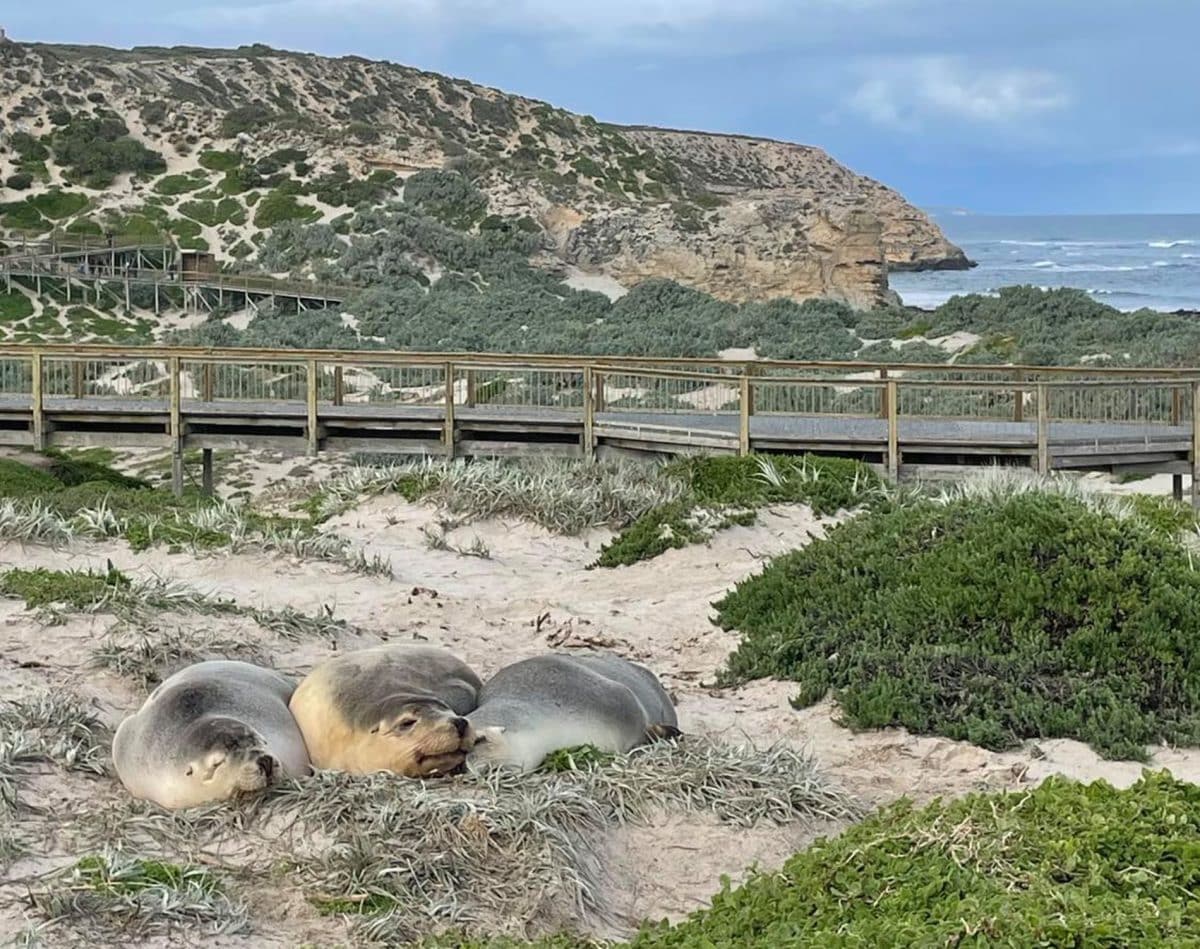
532,595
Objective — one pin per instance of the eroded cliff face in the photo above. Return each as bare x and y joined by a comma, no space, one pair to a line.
740,218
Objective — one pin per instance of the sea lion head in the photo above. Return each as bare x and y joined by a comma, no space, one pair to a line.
229,758
417,736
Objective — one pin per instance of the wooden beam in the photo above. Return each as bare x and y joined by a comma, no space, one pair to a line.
744,415
1196,446
206,471
1043,429
892,402
176,427
589,414
39,417
448,432
1019,398
339,385
883,397
311,432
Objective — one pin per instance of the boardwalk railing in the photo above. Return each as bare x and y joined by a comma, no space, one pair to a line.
1046,414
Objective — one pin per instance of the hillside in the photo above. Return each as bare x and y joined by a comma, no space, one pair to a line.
219,147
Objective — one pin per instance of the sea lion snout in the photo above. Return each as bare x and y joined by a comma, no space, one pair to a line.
463,726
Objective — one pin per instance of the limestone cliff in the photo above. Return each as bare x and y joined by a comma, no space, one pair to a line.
741,218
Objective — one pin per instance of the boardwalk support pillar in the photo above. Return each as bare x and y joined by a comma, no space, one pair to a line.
206,471
39,417
176,428
1043,430
311,405
448,432
892,404
745,408
1196,446
589,414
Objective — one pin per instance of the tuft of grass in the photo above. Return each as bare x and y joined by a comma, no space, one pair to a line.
122,896
720,492
1065,864
1006,609
77,589
150,656
58,728
493,855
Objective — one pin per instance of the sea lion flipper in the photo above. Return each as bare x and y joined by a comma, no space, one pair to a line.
663,732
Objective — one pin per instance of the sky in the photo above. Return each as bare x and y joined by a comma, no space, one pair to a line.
994,106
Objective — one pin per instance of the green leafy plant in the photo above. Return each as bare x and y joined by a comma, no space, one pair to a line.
990,616
1066,864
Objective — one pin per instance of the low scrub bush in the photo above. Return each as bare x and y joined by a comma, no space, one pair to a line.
1064,865
279,206
720,492
991,615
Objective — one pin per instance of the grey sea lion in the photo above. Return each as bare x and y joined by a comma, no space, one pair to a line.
540,705
210,731
397,707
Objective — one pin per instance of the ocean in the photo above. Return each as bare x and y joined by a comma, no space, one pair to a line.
1128,261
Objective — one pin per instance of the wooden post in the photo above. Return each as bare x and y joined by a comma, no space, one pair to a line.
1176,406
744,416
206,386
1019,399
470,402
1196,446
206,471
1043,430
598,398
339,388
39,417
311,402
128,305
77,378
892,402
156,304
448,431
176,428
1177,487
589,414
883,399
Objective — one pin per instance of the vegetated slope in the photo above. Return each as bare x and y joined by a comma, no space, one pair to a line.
309,136
1065,864
993,618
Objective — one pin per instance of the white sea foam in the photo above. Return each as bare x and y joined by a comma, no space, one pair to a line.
1161,263
1045,263
1166,245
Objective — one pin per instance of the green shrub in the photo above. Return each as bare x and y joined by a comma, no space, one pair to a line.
96,149
247,118
279,206
447,196
723,491
18,480
214,213
78,589
1066,864
23,217
177,184
215,160
21,181
56,204
992,619
14,306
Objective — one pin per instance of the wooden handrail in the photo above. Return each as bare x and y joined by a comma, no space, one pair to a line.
607,364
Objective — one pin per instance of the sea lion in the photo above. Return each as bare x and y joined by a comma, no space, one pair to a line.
210,731
540,705
396,707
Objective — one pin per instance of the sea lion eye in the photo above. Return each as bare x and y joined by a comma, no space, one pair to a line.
405,724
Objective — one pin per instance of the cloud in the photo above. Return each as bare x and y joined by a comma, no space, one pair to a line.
621,23
907,94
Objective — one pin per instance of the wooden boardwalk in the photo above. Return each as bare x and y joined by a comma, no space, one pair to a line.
905,420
